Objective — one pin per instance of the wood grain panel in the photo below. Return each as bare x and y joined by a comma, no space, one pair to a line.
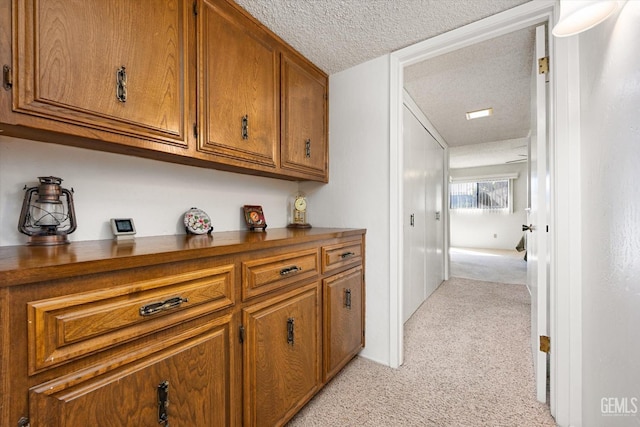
70,52
343,325
341,255
199,390
70,326
268,274
280,376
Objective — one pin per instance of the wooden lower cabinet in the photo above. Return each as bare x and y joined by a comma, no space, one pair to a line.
233,329
343,319
187,384
282,357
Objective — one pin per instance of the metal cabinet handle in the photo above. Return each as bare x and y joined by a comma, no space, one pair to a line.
290,336
245,127
347,298
163,403
290,270
307,148
529,227
157,307
347,255
412,220
121,84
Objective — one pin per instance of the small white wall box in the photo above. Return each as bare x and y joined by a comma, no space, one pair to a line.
123,228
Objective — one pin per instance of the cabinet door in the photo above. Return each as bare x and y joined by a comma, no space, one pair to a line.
238,88
343,319
108,65
193,377
281,356
304,108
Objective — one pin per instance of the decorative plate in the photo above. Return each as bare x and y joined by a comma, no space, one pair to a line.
197,221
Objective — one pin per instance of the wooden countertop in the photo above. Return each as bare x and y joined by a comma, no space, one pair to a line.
27,264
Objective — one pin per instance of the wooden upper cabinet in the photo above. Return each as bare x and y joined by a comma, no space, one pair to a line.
238,88
304,119
105,65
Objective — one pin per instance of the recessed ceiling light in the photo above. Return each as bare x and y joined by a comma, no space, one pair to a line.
480,113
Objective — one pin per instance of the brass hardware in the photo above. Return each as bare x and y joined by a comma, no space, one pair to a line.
7,77
163,403
290,270
245,127
347,255
529,227
195,130
347,298
157,307
545,344
290,337
242,334
543,65
121,84
307,148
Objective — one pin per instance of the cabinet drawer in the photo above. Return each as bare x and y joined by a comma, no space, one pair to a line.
267,274
61,329
341,255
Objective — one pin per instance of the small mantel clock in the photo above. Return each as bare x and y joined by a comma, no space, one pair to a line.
298,209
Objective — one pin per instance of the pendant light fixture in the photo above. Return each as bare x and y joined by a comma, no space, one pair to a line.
577,16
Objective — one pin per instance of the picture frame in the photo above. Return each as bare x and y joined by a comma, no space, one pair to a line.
254,217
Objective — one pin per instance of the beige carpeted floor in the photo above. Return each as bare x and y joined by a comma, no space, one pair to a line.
491,265
467,363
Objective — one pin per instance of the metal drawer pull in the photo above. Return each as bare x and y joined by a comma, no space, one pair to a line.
347,255
290,270
157,307
290,337
347,298
307,148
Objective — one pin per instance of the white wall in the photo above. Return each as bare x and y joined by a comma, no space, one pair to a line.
477,230
610,147
155,194
358,191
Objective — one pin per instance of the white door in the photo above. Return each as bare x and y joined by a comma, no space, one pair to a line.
413,214
537,218
434,216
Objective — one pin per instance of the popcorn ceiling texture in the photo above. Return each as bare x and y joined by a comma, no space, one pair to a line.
338,34
495,73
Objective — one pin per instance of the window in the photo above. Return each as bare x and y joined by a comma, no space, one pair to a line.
481,195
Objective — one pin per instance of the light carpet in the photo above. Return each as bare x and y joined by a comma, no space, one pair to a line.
489,265
467,363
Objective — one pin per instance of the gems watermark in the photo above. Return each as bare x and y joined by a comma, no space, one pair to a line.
619,406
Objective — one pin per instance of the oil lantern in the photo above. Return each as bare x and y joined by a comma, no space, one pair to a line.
47,215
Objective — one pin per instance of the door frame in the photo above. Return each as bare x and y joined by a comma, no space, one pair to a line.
565,255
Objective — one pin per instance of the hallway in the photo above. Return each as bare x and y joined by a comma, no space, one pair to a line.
467,363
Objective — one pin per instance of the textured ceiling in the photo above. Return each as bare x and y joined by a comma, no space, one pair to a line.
495,73
338,34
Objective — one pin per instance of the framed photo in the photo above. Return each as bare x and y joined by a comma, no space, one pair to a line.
254,217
